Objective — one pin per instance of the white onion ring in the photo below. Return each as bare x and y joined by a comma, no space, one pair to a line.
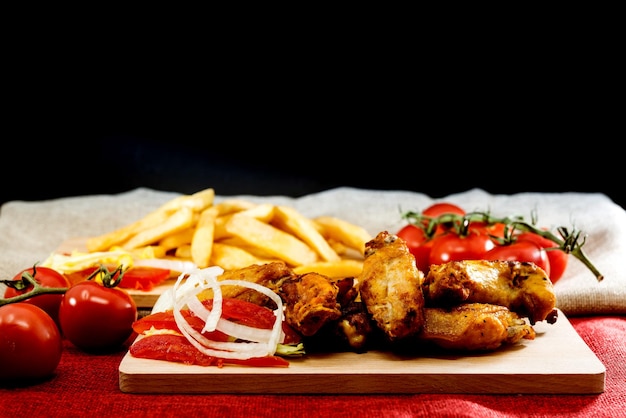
259,342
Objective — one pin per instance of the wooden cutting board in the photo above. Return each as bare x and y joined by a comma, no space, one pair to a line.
557,362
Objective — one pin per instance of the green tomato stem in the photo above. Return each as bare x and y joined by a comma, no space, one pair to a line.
109,279
35,291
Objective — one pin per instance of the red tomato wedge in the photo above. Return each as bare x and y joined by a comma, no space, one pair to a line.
176,348
165,321
237,310
137,277
143,278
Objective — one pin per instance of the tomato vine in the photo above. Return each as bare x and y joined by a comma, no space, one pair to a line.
109,279
569,241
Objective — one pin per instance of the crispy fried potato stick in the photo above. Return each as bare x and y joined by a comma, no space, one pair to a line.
113,238
270,239
290,220
178,221
349,234
333,269
233,205
230,257
196,202
179,239
202,241
263,212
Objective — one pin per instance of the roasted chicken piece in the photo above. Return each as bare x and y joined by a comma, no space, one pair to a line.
522,287
270,275
474,327
352,331
310,302
390,286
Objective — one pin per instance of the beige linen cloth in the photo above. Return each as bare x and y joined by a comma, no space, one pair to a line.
30,231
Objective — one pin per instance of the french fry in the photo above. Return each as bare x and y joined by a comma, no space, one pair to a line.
274,241
292,221
106,241
351,235
178,239
254,250
197,202
236,233
233,205
178,221
263,212
333,269
184,252
202,241
230,257
150,251
339,247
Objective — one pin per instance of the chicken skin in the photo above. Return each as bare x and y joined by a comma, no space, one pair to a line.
390,286
474,327
521,287
310,302
270,275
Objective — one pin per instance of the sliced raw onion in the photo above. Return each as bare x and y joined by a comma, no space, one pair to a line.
161,263
258,342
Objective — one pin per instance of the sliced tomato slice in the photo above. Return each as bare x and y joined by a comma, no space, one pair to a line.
144,278
166,321
137,277
253,315
176,348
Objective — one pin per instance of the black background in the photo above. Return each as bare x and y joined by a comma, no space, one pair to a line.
61,160
303,132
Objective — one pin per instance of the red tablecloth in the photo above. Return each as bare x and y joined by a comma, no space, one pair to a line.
88,385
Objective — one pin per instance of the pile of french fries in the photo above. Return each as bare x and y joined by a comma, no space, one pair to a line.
237,233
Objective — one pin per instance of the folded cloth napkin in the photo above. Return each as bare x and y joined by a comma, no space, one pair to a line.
30,231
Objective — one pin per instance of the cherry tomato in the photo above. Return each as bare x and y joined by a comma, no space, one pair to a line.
417,244
46,277
30,342
452,247
442,208
95,317
558,258
521,251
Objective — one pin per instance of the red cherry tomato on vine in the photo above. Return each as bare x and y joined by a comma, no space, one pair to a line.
521,251
442,208
452,247
30,342
46,277
417,244
558,258
94,317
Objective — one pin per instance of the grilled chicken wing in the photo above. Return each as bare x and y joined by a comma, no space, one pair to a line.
523,288
474,327
270,275
310,302
390,286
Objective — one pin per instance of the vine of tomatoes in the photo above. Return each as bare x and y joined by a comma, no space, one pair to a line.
445,232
